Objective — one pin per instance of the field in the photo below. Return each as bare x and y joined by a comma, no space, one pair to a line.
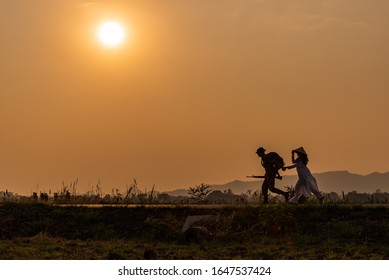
276,231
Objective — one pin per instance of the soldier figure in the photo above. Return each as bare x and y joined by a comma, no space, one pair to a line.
271,162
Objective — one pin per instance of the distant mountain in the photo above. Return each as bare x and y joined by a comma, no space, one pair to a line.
178,192
339,181
334,181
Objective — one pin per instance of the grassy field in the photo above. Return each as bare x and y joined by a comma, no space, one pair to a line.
279,231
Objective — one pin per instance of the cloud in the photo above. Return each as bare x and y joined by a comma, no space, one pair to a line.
308,22
310,17
90,5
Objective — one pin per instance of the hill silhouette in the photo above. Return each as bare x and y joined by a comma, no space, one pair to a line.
333,181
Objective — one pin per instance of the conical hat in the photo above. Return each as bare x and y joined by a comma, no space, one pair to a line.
300,151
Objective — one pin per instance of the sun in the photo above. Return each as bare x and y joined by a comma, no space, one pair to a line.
111,33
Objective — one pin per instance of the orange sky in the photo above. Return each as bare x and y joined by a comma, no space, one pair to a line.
198,86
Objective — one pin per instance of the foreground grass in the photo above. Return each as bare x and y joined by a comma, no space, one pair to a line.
36,231
45,247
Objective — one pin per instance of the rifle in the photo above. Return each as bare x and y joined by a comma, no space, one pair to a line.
279,177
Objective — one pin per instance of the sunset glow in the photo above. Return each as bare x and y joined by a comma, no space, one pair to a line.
111,33
179,93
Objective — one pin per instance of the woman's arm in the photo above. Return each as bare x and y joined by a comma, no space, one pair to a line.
293,157
289,167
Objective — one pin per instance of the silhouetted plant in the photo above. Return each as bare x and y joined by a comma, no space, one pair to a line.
290,190
199,192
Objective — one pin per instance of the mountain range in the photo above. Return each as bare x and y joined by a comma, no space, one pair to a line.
333,181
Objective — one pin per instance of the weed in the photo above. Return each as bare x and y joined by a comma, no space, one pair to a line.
330,231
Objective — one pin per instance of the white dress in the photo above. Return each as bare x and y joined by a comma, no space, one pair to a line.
306,183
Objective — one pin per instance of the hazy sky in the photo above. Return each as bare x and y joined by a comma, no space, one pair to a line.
195,89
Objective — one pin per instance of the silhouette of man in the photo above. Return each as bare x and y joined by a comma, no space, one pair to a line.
271,173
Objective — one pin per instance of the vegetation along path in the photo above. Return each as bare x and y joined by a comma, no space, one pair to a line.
279,231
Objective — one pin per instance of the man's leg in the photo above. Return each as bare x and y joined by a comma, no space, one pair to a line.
275,190
265,187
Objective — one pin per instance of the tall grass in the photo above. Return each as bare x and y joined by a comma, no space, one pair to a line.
270,232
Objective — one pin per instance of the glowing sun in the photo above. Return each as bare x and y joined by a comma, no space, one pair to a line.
111,33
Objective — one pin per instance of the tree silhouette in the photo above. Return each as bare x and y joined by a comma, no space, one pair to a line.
199,192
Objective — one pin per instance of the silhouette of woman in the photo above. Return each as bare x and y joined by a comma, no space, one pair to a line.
306,183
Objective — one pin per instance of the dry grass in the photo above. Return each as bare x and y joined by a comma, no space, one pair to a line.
38,231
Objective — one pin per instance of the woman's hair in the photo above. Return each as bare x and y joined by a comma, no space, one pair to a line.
304,158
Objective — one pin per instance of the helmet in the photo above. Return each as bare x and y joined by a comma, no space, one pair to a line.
261,150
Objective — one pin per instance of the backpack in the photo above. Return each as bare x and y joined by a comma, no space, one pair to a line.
277,160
